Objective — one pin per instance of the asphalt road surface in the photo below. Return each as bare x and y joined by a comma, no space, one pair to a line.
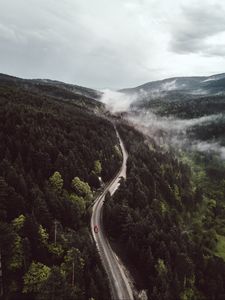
119,283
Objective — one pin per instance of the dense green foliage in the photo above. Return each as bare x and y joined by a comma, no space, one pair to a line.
51,154
168,217
165,221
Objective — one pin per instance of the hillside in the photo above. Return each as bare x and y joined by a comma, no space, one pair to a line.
189,111
52,153
81,96
188,85
167,220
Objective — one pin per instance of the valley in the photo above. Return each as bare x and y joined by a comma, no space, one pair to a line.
164,213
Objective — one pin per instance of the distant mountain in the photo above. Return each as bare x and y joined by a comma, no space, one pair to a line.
198,102
50,130
200,85
56,89
75,89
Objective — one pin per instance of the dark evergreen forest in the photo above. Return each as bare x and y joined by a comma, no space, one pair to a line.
168,220
52,154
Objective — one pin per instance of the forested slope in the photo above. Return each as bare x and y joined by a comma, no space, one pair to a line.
179,107
51,156
167,225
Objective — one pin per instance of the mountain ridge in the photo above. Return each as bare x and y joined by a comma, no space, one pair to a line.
73,88
190,84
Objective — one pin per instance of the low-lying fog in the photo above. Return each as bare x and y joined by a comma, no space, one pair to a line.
165,130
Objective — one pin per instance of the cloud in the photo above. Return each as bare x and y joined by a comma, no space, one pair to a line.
113,44
116,101
170,125
169,131
209,147
199,23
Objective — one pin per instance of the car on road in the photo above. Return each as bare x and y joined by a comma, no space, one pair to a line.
96,229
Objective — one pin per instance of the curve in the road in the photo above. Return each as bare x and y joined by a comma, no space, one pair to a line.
119,283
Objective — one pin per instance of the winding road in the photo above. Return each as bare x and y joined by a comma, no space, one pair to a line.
119,283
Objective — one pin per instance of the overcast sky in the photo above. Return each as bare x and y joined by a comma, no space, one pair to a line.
111,43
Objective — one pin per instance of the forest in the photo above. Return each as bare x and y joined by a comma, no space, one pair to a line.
183,106
167,220
178,107
54,155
